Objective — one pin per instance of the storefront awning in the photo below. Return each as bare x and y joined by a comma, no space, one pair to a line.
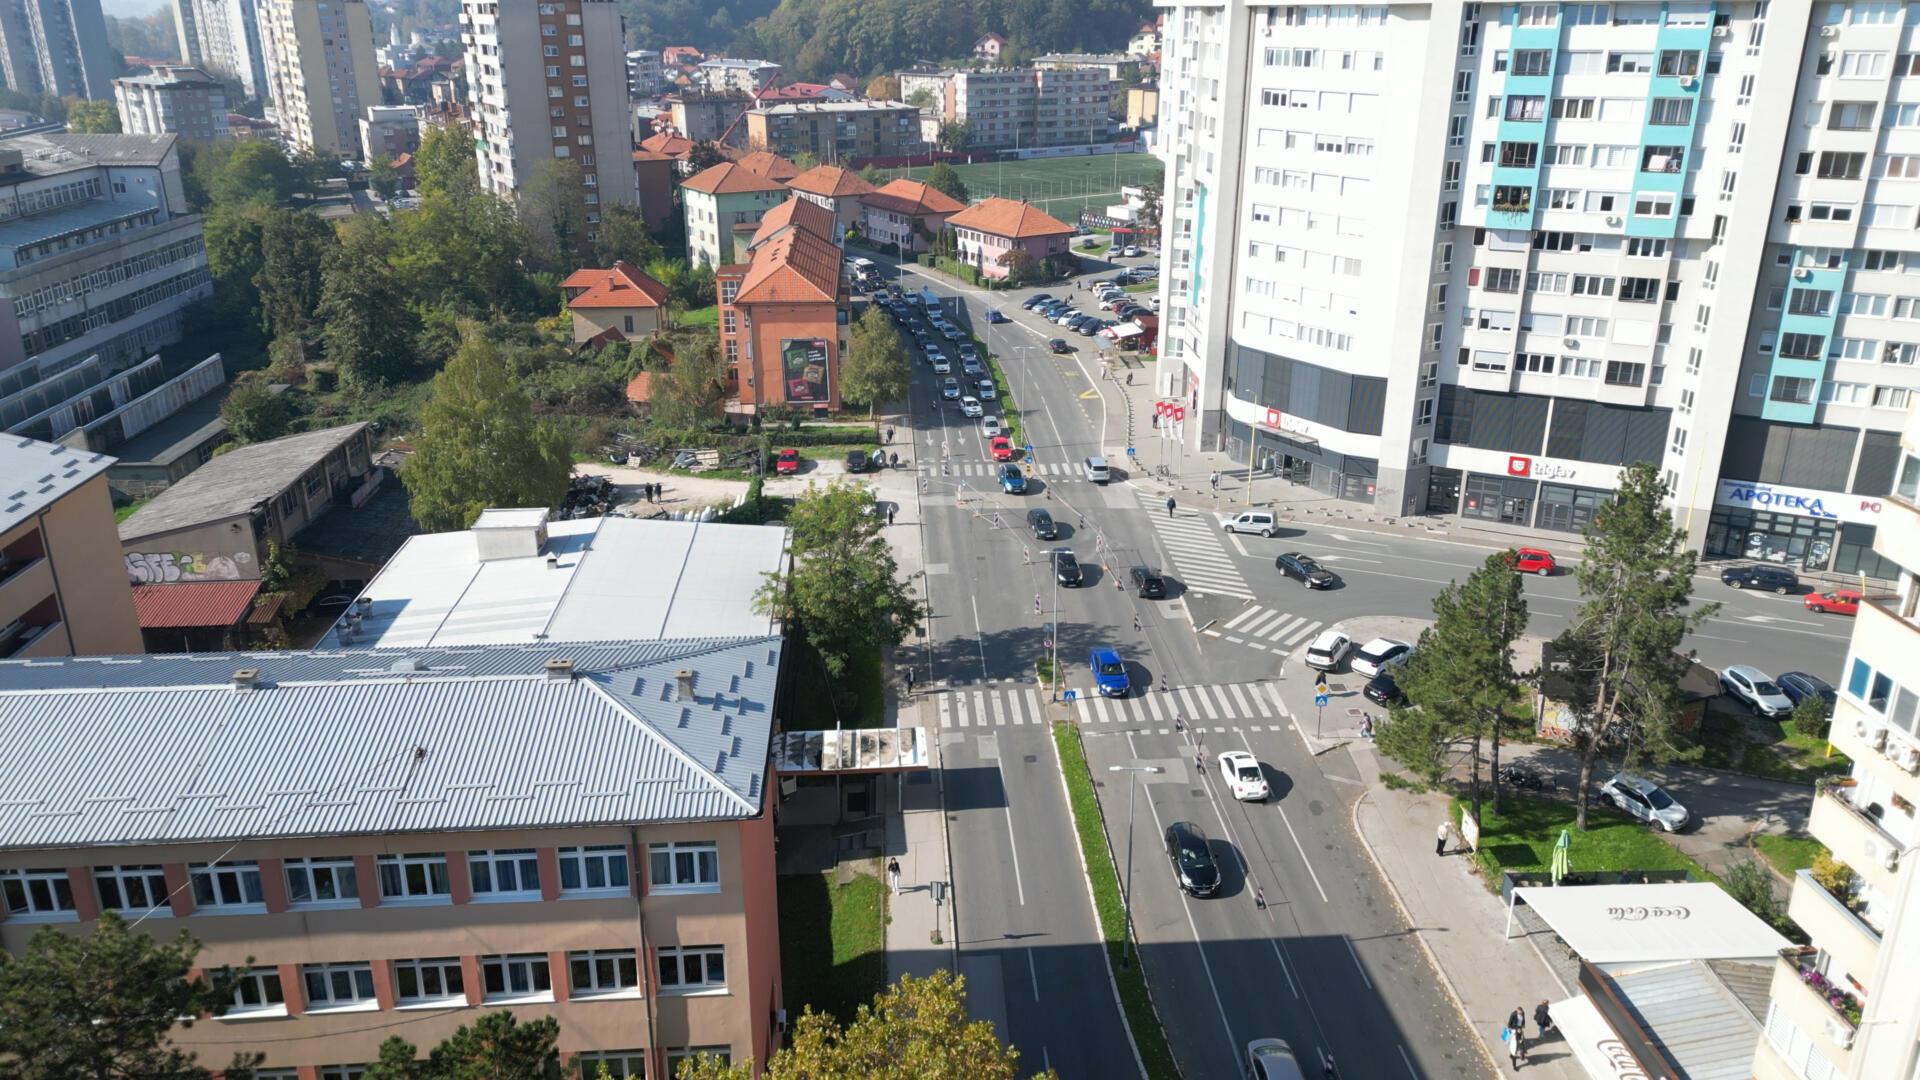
1615,924
849,750
1127,330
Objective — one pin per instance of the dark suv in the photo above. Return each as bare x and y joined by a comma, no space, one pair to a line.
1042,525
1148,582
1311,574
1193,867
1777,578
1066,569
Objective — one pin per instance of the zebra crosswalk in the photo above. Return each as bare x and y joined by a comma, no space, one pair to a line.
1264,628
1227,703
1064,470
1200,561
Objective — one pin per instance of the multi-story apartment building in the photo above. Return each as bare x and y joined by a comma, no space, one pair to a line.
226,41
186,29
645,77
549,81
707,117
56,47
1845,1007
716,201
387,131
182,101
320,71
725,75
627,892
58,594
98,250
837,132
1469,260
1059,104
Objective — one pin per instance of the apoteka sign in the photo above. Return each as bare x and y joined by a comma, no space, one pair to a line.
1800,502
1280,421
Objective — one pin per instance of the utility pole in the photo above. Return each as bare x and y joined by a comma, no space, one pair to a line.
1126,893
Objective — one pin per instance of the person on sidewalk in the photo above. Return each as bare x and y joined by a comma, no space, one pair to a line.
1517,1036
1542,1019
1440,837
909,674
1213,479
890,510
893,876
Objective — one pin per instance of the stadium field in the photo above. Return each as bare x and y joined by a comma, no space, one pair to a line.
1060,186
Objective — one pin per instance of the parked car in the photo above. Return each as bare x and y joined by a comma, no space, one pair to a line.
1012,481
1327,650
1001,448
1799,686
1036,300
1067,315
1837,602
858,462
990,426
1777,578
1311,574
1059,345
1241,772
1193,867
1272,1059
1378,655
970,406
1096,470
1042,524
1643,800
1252,521
1147,583
786,462
1757,689
1382,689
1131,251
1109,673
1532,561
1066,569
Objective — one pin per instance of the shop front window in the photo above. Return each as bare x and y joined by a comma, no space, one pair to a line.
1564,508
1856,555
1506,500
1782,539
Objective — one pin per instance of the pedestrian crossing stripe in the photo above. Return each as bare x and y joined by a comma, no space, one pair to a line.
1060,469
1255,624
1193,706
1199,559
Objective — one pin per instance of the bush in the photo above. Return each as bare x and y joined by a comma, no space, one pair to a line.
1750,883
1832,875
1810,717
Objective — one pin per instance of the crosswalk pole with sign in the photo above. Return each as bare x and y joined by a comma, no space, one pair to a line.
1319,707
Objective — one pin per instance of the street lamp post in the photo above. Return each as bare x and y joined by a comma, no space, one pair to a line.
1126,893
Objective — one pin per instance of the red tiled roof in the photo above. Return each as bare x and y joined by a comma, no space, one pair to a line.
831,181
619,286
668,143
185,605
770,165
797,91
651,155
913,197
793,266
727,178
1005,217
800,213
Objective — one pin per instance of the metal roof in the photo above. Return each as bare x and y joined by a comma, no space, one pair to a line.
234,483
1698,1020
34,475
189,604
166,749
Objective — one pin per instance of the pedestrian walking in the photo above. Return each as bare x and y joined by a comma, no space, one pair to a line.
893,876
1440,837
1516,1036
1169,506
909,674
1155,420
889,434
1213,479
1179,723
1366,727
893,461
890,510
1542,1019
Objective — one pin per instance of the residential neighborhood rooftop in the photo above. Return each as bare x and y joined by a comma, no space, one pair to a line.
728,178
1005,217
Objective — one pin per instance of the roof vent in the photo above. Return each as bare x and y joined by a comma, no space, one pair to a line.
510,534
246,679
559,671
683,681
364,605
553,562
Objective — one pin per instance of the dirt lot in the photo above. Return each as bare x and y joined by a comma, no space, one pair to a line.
691,492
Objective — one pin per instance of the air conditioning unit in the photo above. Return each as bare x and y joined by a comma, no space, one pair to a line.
1613,220
1911,761
1719,31
1877,738
1839,1030
1803,274
1571,343
1891,860
1829,31
1686,82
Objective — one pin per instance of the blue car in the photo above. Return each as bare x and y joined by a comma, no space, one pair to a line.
994,316
1109,674
1011,480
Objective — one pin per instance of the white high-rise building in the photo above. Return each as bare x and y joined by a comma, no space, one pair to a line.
320,70
1469,260
226,41
56,47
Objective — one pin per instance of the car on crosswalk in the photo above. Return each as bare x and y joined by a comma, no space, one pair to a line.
1012,480
1241,772
1379,654
1096,469
1328,650
1293,564
1109,672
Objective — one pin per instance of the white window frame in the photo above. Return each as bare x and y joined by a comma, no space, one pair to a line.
604,970
357,977
334,870
672,965
669,856
150,881
621,1064
40,904
403,867
261,985
533,965
226,883
426,972
517,864
585,861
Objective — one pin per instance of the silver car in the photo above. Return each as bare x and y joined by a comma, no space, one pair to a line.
1644,800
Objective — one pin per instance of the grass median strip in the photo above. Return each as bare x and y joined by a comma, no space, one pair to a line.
1135,1001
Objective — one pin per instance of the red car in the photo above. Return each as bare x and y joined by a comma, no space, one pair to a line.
1532,561
1001,447
787,462
1837,602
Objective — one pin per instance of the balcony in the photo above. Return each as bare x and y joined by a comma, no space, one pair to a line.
1834,926
1856,838
1827,1014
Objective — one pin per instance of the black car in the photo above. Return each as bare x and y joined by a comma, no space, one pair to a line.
1059,345
1066,569
1777,578
1381,689
1035,301
859,462
1311,574
1193,867
1148,583
1798,686
1042,525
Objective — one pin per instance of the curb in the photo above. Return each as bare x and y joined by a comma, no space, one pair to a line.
1459,1005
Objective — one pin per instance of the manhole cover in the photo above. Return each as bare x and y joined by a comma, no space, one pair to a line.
1029,758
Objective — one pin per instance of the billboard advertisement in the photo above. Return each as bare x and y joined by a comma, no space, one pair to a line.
803,370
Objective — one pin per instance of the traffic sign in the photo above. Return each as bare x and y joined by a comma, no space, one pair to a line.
1069,695
1320,700
1130,452
1028,461
1028,448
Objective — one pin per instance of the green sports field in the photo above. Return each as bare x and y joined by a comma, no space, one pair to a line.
1060,186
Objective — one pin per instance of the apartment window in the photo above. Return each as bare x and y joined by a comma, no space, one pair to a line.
1423,412
1636,290
1663,159
1677,62
1586,326
1844,393
1646,247
130,888
1532,62
36,892
693,967
619,1064
520,977
1835,165
414,877
1829,212
1803,346
1590,285
1573,108
257,990
1653,205
1791,391
1566,154
1502,279
337,986
599,869
1536,363
424,982
602,972
1850,116
551,51
1624,373
1890,397
684,867
1873,305
1519,155
506,874
1900,166
1669,112
227,885
1811,302
1863,65
1629,63
1547,281
1526,108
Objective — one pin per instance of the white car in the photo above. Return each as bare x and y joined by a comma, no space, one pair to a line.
970,406
1643,800
1252,521
941,365
1328,650
1378,655
987,391
1241,772
1757,689
990,426
1066,317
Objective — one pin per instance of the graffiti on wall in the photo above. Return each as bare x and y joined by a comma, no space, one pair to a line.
159,567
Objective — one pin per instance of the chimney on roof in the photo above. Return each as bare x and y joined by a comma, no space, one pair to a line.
246,680
683,682
560,670
553,562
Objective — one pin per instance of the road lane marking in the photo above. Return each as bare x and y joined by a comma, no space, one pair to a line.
1404,1060
1300,847
979,635
1234,623
1033,974
1006,804
1240,699
1356,961
1238,546
946,711
999,712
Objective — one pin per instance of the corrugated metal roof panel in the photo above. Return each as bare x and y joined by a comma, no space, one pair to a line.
186,604
1694,1017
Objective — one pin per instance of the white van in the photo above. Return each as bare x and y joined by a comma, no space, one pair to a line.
1252,521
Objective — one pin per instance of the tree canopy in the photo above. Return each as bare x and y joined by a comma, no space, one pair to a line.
876,368
944,179
844,591
253,412
93,118
813,39
497,1046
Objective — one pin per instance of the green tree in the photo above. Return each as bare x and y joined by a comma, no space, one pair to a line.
1461,677
93,118
956,135
1620,659
552,204
1811,716
943,179
497,1046
883,88
844,591
704,155
806,159
916,1028
363,308
294,248
876,368
920,98
1416,739
251,171
479,444
445,163
103,1004
624,237
1149,213
872,175
382,177
233,237
1752,884
277,567
252,412
687,393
